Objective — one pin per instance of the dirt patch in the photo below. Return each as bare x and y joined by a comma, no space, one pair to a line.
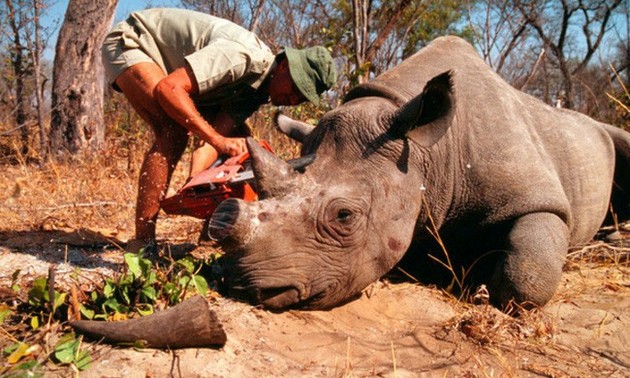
400,330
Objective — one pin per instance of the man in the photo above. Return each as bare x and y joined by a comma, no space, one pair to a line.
186,73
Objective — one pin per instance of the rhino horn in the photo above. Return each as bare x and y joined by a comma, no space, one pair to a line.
274,176
423,118
295,130
171,328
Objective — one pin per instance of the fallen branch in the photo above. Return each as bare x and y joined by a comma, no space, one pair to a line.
190,324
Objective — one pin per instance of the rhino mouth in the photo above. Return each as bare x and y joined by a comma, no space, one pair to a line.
277,298
273,298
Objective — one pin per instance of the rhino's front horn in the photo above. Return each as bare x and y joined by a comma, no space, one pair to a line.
274,176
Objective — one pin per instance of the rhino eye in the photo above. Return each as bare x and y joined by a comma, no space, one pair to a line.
341,222
344,216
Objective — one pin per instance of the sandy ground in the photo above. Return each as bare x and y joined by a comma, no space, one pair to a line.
392,330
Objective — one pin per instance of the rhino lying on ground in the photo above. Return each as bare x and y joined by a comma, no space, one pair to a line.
439,142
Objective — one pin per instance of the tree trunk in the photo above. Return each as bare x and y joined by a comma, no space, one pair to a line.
36,53
77,91
360,17
20,70
253,24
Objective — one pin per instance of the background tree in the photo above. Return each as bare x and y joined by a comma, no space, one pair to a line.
500,33
23,79
40,80
21,67
279,23
233,10
555,33
77,92
549,47
377,34
557,50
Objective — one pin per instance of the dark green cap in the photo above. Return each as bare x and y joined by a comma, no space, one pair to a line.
312,70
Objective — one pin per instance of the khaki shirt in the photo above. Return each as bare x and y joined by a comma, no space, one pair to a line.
229,62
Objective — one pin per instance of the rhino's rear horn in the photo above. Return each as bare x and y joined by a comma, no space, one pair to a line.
295,130
274,176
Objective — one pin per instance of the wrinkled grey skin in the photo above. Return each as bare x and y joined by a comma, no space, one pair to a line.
509,182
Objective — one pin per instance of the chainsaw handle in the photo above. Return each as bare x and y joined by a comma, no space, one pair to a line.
219,161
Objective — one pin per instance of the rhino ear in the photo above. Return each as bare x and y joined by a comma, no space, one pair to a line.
423,118
295,130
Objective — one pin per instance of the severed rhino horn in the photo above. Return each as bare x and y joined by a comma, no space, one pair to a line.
189,324
274,176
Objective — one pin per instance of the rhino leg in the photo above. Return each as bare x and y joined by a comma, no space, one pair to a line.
620,198
530,270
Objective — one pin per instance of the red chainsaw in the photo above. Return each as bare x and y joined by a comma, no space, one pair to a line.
232,178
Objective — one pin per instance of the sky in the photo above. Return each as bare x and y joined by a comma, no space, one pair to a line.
53,16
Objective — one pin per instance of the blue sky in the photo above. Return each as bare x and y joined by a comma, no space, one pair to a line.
53,16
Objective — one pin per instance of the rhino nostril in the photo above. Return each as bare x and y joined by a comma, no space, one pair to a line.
223,219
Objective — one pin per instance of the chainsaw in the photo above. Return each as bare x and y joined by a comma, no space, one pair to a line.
231,178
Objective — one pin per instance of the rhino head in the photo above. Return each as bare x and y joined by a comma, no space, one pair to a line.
316,238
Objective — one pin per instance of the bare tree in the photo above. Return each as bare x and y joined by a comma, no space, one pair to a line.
40,81
246,14
499,31
22,89
360,22
18,20
384,32
257,8
571,31
279,23
77,93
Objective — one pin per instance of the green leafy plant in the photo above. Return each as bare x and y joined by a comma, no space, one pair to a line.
42,305
142,285
5,312
68,351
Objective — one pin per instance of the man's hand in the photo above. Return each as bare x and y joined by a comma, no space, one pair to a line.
230,146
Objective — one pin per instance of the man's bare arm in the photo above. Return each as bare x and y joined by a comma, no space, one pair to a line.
174,92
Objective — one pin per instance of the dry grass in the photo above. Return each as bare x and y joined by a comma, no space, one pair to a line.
487,326
615,253
97,191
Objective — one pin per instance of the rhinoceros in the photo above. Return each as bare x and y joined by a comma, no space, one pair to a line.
438,157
